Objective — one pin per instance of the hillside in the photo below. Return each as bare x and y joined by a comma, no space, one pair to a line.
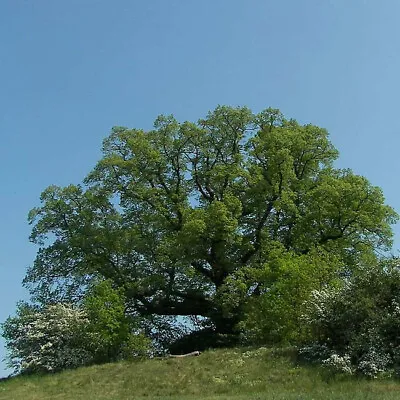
223,374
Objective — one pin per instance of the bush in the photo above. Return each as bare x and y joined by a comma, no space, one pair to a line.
285,282
61,336
49,339
113,333
359,321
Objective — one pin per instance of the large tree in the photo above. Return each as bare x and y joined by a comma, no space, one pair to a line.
175,214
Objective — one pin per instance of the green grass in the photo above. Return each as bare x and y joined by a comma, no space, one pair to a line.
222,374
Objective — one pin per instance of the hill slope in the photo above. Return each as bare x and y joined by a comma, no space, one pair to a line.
223,374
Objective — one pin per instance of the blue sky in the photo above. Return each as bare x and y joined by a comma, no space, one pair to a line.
70,70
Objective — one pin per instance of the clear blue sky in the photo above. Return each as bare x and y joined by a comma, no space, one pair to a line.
70,70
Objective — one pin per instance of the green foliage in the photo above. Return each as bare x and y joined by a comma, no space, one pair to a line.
359,320
111,330
282,284
238,374
185,219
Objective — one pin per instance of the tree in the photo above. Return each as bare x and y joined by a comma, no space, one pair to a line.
174,216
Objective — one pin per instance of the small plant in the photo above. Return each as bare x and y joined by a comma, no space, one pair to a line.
374,363
339,363
314,352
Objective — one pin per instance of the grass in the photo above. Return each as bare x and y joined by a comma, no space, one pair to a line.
238,374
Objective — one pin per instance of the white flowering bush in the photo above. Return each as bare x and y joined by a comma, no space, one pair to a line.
49,339
374,362
339,363
355,327
62,336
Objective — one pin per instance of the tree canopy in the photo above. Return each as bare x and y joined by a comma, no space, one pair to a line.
185,216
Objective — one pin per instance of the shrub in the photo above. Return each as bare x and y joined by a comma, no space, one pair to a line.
359,321
286,282
49,339
61,336
113,333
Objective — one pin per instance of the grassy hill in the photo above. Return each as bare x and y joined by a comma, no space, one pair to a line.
221,374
